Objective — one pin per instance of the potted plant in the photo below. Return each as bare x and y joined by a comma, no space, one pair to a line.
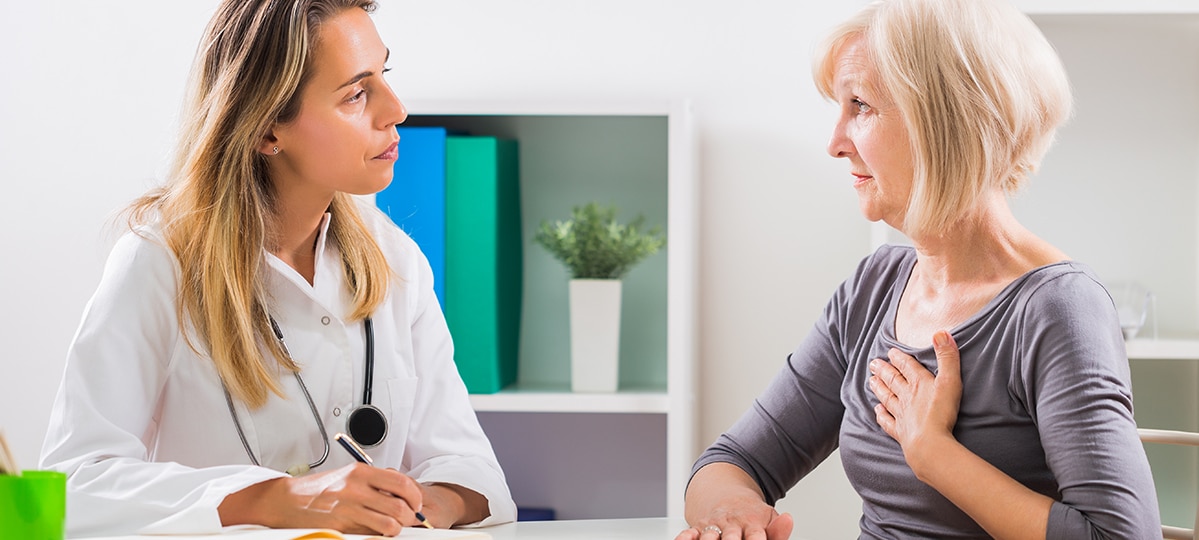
598,252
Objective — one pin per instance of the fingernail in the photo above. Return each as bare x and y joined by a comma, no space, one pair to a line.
940,339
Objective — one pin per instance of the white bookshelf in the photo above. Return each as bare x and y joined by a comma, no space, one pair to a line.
634,447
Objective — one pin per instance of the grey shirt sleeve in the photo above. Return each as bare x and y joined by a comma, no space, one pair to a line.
1075,383
794,424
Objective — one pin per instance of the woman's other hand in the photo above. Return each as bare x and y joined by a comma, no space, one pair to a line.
724,503
916,408
778,527
357,499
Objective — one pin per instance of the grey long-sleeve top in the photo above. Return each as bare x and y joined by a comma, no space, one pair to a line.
1046,398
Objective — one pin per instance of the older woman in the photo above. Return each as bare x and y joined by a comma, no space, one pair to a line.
976,384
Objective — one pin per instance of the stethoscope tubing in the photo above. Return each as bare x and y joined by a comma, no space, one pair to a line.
366,401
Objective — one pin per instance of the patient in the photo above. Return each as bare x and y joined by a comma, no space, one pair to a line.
976,383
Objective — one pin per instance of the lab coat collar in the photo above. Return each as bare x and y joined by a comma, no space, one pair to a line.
326,287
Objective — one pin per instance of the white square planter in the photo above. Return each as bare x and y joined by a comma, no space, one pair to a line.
594,334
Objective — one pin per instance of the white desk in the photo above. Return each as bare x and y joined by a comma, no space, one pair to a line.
590,529
586,529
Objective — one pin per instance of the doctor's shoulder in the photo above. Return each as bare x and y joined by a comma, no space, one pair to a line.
141,253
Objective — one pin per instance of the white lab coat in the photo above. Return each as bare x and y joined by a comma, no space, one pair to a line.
143,430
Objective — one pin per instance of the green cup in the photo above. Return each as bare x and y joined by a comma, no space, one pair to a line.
33,506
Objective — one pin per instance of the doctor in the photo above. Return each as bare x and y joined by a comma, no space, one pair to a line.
256,308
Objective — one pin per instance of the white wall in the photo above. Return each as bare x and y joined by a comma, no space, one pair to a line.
89,92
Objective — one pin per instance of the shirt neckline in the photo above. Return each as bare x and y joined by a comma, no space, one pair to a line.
319,246
901,283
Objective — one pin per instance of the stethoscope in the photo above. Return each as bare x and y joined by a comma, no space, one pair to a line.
366,424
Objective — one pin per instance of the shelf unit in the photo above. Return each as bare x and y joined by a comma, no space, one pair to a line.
634,447
1162,349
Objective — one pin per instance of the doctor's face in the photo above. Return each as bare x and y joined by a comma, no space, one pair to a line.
871,134
344,137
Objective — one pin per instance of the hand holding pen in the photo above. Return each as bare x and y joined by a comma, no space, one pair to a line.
359,454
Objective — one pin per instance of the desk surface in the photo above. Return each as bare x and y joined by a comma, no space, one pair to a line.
587,529
590,529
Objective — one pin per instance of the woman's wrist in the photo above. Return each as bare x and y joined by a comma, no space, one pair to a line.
446,505
932,454
245,506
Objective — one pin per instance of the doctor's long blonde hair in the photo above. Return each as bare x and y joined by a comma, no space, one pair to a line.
217,208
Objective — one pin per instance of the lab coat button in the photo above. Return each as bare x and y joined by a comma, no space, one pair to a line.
336,411
325,320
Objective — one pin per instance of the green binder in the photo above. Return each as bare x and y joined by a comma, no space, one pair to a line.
483,259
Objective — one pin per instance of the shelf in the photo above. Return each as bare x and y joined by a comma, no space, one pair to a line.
1107,7
638,156
565,155
556,399
1163,349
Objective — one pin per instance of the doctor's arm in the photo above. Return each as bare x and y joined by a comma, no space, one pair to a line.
104,416
355,498
447,450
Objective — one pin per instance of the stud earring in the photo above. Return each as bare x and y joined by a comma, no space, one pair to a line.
276,150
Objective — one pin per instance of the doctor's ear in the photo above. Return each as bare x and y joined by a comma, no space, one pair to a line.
269,145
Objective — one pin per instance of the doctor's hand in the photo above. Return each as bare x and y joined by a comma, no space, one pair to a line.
446,505
723,503
357,499
916,408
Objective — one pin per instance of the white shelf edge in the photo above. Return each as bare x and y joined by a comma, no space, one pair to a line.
1106,7
1162,349
569,402
549,107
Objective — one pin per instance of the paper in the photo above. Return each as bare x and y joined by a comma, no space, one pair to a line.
253,532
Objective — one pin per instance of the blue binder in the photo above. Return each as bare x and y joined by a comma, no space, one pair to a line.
415,200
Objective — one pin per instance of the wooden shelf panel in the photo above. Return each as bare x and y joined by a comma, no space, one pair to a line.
1163,349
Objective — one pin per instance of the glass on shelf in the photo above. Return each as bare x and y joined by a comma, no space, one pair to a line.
1135,305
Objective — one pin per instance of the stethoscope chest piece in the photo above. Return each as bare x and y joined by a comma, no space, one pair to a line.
367,425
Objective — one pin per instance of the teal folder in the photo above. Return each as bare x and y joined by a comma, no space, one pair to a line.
415,200
483,259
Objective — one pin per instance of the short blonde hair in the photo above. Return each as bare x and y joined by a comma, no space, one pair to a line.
981,91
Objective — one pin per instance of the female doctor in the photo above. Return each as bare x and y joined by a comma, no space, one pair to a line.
256,308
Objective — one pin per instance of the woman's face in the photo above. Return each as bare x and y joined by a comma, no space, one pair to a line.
870,133
344,137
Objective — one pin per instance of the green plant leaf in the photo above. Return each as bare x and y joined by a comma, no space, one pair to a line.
593,245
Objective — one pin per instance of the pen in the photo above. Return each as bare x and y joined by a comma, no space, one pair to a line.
359,454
